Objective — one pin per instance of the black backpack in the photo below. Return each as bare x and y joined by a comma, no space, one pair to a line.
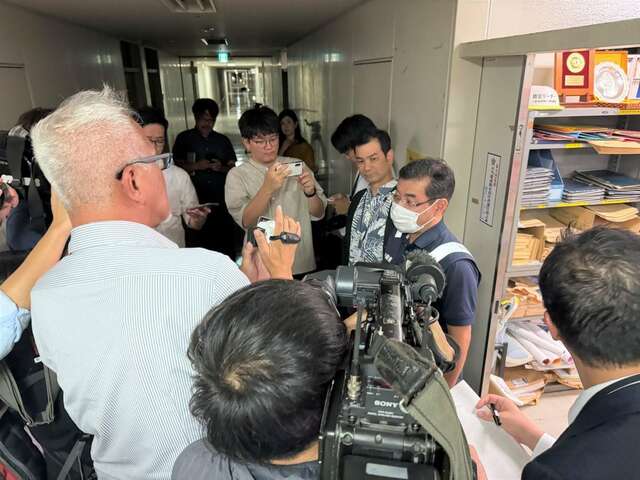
38,439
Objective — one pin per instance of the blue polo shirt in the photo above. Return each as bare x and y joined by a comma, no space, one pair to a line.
457,306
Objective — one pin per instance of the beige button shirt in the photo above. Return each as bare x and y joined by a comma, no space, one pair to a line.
243,183
182,196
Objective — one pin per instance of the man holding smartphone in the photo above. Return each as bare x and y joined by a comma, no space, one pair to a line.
255,188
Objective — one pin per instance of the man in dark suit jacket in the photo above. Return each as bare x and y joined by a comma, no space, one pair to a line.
590,285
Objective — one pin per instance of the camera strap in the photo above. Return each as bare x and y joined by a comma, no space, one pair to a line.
426,397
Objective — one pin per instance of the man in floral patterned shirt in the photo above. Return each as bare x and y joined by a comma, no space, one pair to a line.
369,209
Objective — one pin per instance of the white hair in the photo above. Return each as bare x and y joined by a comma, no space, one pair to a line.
82,145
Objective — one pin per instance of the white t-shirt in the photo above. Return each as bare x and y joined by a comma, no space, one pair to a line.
182,195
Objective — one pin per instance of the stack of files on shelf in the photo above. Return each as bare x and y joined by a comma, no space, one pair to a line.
626,135
617,185
529,247
525,384
528,298
574,133
537,186
615,147
617,216
575,191
614,213
553,229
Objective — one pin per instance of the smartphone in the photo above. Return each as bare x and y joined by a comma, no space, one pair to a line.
265,224
295,168
202,205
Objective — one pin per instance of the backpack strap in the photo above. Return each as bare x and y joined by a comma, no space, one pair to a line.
74,455
11,396
15,151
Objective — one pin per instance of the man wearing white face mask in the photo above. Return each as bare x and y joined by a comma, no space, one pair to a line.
419,203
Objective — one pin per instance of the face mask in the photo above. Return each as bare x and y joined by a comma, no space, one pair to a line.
405,220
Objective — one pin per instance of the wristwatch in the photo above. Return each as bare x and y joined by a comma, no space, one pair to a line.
313,194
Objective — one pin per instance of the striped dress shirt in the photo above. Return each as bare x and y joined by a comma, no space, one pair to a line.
113,319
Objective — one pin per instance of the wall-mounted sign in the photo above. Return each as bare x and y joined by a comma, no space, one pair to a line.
491,176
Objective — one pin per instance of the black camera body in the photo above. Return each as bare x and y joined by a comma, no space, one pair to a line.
366,432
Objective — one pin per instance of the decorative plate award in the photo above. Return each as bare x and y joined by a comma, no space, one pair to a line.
610,83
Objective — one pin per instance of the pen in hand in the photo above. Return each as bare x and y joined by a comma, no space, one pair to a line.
495,414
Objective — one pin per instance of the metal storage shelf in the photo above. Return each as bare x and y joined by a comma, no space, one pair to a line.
577,204
557,146
582,112
517,148
528,270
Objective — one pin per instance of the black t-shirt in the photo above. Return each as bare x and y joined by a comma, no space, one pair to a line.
215,146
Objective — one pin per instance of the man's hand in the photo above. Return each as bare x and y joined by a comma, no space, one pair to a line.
482,474
10,201
277,256
351,321
201,165
252,265
340,202
307,182
197,217
514,422
275,177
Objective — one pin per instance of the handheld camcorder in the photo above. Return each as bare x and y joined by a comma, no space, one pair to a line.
366,432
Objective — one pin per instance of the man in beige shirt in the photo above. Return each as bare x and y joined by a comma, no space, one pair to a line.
255,188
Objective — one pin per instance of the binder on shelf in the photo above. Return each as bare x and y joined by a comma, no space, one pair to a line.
544,159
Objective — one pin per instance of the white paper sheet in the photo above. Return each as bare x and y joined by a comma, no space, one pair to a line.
503,458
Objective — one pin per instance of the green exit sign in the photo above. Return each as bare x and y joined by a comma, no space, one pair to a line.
223,57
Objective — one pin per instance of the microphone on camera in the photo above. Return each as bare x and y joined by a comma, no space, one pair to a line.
425,275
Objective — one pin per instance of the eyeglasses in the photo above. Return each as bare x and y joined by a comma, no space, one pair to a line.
264,141
157,141
163,161
409,203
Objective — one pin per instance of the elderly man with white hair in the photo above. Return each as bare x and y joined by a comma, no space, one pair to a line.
113,319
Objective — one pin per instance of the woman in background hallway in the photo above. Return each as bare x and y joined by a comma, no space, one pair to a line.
292,143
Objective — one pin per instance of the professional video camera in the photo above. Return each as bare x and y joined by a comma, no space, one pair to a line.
367,431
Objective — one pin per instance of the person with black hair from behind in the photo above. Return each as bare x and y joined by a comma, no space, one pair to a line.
263,360
590,287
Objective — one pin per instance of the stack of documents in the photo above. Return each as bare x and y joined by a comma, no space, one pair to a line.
574,133
525,384
527,294
537,186
615,213
615,147
616,185
553,229
547,353
575,191
528,248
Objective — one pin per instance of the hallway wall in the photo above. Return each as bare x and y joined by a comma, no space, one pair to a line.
415,36
58,58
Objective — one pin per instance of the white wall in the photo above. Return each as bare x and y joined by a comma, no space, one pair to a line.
59,58
416,36
516,17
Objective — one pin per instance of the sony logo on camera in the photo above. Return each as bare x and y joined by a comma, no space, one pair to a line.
383,403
